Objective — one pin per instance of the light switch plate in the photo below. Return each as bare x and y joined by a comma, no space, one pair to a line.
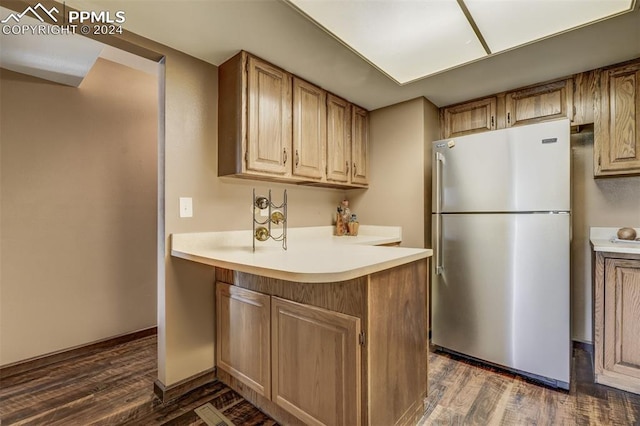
186,207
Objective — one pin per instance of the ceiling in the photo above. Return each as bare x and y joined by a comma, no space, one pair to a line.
214,30
409,40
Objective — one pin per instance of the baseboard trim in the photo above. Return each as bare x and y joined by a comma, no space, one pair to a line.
585,346
66,354
176,390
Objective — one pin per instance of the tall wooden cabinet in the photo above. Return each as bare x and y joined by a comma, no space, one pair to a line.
617,122
617,320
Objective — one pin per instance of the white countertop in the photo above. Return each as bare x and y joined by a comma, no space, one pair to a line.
602,239
313,254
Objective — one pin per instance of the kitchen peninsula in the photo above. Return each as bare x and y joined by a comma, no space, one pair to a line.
330,331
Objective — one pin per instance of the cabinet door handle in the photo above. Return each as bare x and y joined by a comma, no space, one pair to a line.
354,169
347,164
492,122
297,158
508,118
284,156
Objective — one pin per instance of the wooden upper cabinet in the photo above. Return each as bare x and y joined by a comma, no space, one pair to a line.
471,117
359,146
269,118
338,139
254,118
585,86
316,363
539,103
243,317
274,126
617,123
309,129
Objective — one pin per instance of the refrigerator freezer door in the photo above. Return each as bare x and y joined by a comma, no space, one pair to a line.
503,294
517,169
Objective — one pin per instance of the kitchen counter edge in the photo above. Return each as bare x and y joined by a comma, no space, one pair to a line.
211,248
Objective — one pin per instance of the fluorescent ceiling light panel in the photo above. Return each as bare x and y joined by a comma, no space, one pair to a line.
407,40
412,39
506,24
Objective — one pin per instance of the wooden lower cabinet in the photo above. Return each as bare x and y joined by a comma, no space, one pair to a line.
341,353
315,363
617,320
243,316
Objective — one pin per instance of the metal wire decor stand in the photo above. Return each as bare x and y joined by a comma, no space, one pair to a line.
276,219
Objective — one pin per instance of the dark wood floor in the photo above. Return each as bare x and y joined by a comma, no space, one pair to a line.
463,393
115,387
112,387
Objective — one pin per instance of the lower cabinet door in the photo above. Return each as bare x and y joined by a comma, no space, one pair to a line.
243,336
316,361
622,323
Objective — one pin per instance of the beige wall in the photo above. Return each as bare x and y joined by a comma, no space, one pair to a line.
613,202
186,289
400,185
78,190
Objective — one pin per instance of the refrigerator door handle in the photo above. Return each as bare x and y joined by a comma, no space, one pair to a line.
439,160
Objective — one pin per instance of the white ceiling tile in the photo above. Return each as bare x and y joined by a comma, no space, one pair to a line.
506,24
407,40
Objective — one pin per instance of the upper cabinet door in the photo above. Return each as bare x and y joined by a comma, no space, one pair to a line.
309,129
617,123
470,117
269,118
539,103
359,146
338,139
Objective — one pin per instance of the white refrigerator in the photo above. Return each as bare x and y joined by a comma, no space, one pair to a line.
501,235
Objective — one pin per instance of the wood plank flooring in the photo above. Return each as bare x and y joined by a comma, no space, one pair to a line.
112,387
115,387
462,392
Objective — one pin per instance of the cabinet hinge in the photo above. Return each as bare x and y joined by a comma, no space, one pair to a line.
362,338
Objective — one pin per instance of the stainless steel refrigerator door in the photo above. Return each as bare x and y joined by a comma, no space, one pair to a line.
503,292
522,168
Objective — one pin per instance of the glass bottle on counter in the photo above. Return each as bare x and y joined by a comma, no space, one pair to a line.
342,218
353,225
